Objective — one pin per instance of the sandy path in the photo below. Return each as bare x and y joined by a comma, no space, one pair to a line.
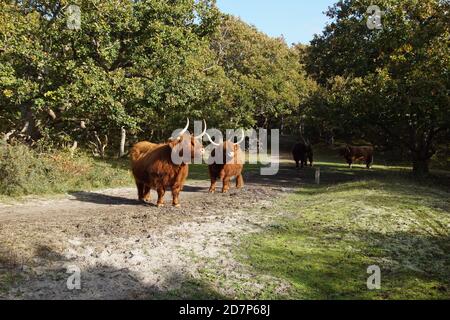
125,249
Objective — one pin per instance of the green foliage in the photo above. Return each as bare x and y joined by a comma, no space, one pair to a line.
390,85
128,65
141,65
265,75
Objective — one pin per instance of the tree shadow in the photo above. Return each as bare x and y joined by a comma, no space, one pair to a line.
412,266
98,282
392,185
333,174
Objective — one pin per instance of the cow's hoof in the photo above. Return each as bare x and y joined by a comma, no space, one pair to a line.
177,205
211,191
159,205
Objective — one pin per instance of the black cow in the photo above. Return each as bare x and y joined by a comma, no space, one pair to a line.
302,152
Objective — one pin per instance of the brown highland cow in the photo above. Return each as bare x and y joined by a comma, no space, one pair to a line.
230,166
153,167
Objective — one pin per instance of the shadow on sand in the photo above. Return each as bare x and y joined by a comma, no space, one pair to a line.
105,199
99,282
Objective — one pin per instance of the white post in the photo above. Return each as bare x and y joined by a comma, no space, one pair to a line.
318,175
122,142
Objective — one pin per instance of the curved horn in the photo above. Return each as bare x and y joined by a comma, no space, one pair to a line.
182,131
210,140
242,138
204,131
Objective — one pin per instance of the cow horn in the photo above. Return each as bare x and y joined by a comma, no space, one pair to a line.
204,131
210,140
242,138
182,131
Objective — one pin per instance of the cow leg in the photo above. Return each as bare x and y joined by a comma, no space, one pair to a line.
212,188
140,188
146,194
297,164
161,191
239,181
226,184
175,196
369,162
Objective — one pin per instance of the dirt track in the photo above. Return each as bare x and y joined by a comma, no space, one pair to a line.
125,249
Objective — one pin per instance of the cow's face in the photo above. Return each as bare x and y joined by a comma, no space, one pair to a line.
187,144
231,152
197,149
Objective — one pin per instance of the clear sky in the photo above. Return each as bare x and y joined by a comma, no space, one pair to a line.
296,20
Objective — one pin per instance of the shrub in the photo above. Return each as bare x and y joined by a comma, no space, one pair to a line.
25,171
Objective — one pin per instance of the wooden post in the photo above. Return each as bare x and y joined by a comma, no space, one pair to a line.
318,175
122,142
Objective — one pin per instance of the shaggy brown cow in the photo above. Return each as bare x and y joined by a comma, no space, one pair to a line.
302,152
354,154
154,169
138,151
230,166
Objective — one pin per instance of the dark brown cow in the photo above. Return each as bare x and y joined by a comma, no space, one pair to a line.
231,165
153,167
355,154
302,152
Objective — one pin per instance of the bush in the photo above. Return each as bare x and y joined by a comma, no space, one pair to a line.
25,171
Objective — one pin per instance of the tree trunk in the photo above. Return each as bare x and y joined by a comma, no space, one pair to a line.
73,148
122,142
8,135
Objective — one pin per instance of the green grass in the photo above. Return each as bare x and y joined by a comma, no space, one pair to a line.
331,233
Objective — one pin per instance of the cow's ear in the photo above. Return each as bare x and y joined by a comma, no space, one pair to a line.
173,143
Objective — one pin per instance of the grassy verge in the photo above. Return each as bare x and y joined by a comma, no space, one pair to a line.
26,172
332,233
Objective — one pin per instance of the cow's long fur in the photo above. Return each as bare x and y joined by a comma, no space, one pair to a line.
354,154
231,166
140,149
155,169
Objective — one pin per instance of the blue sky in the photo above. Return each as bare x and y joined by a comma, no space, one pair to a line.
296,20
